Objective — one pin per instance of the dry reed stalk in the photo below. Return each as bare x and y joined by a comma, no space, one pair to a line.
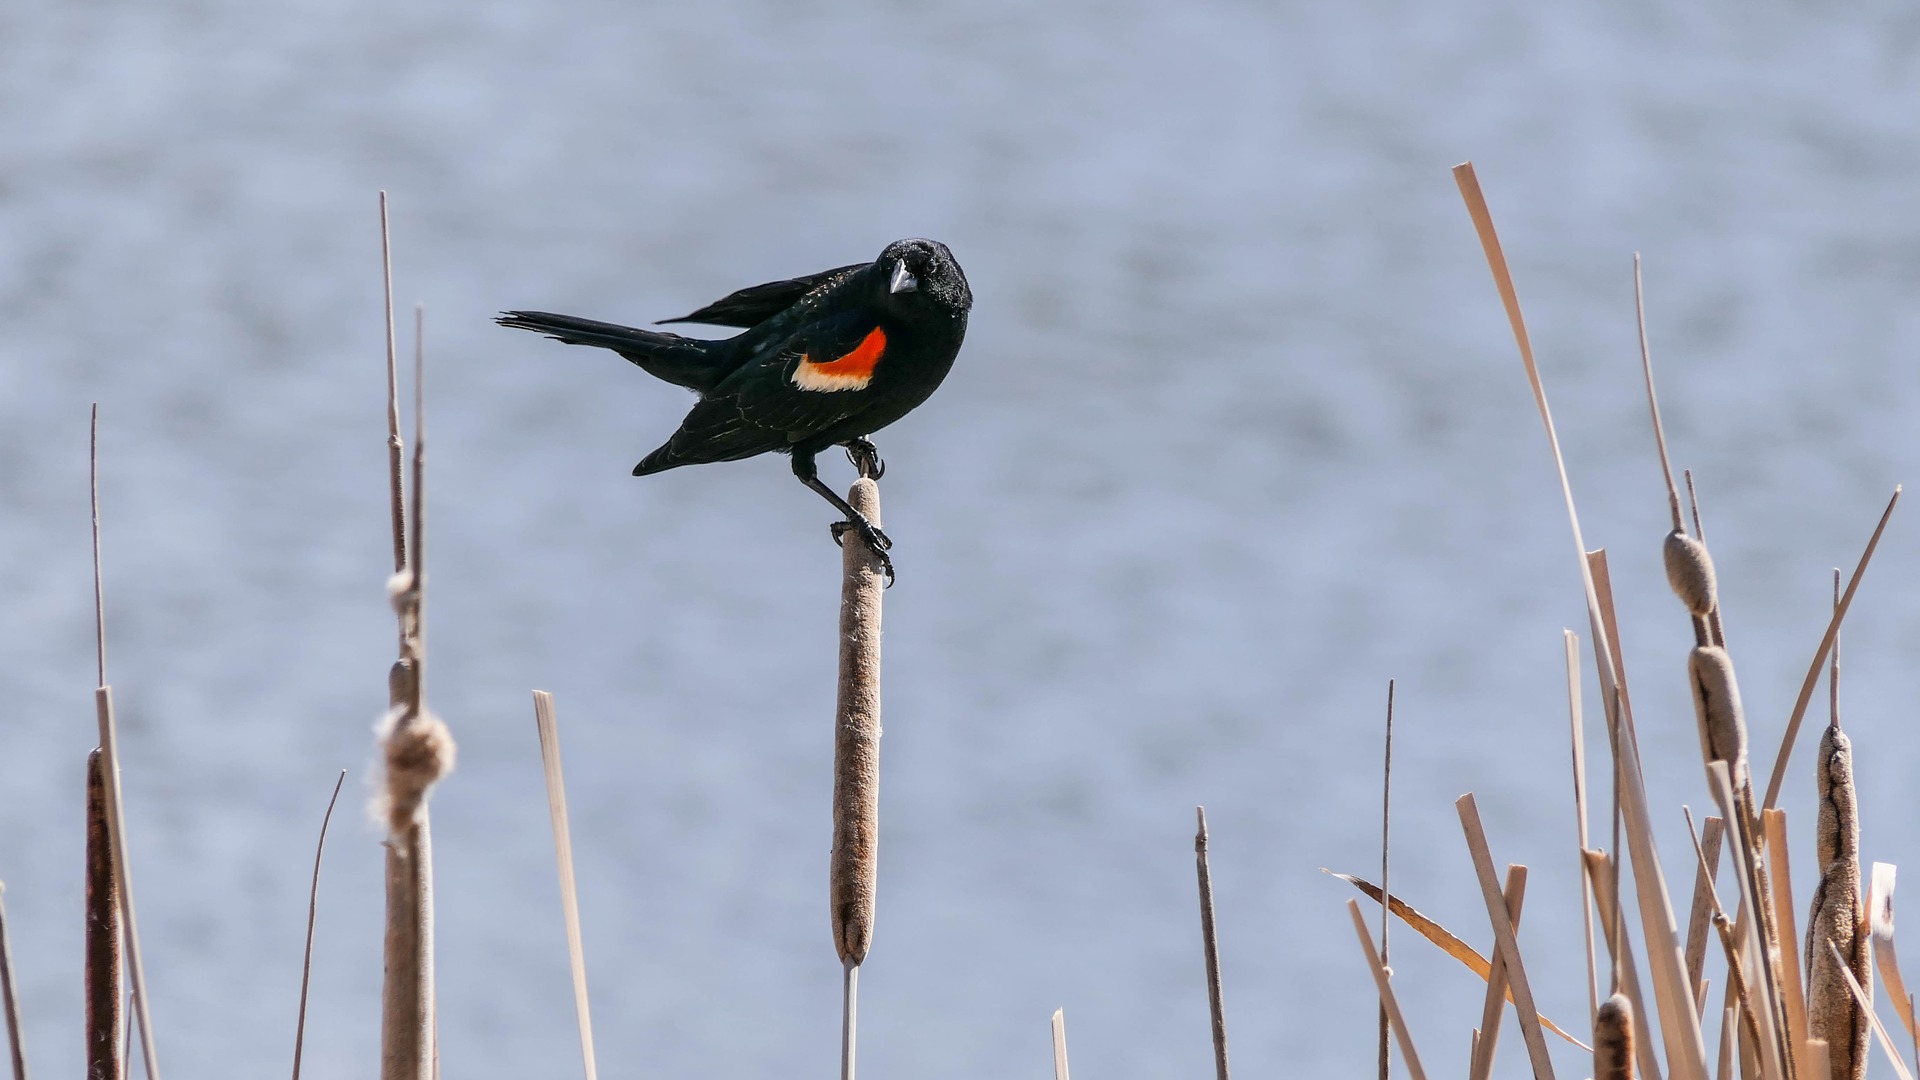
9,999
1383,980
1787,967
1760,994
101,981
1839,915
313,915
1384,1052
1686,1054
1820,1061
1729,1023
1613,1040
1881,925
1487,1038
1504,938
1579,739
856,759
1820,657
1741,1010
1447,942
1059,1044
1210,945
109,747
548,727
1865,1003
1711,832
1604,876
418,750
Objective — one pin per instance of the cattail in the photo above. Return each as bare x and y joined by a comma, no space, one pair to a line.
1716,704
856,748
1839,915
1613,1039
102,971
419,751
1690,573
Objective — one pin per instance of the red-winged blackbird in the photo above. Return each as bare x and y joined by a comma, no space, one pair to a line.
826,359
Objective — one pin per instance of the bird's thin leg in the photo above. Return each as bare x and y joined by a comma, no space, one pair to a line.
865,457
877,541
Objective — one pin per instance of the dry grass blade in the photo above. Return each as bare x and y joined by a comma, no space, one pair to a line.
1764,1006
1059,1044
1866,1007
1606,894
1487,1039
1445,940
1504,938
1210,944
1711,833
1788,968
1383,980
1746,1015
1880,918
548,727
9,1000
313,912
1653,402
396,450
1820,657
1580,815
1384,1052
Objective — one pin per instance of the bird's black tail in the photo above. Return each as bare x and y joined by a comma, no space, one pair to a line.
683,361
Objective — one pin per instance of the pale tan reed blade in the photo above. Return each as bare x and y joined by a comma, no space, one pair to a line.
1579,739
1865,1004
1765,1005
1820,658
1384,981
1787,968
1729,1024
1446,941
1059,1044
548,728
101,981
1384,1051
856,780
1880,921
313,911
1606,888
1686,1054
1839,913
1711,832
1819,1061
1653,400
1210,945
396,450
1487,1038
9,998
1613,1040
1504,939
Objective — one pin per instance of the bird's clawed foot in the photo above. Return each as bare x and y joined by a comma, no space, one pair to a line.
870,534
866,458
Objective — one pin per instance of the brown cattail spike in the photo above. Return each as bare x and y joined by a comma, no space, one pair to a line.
102,972
856,781
1716,704
1613,1040
1839,915
1690,573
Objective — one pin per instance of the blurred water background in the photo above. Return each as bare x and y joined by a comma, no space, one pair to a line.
1238,434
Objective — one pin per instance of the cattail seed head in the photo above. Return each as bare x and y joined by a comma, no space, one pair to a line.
1613,1039
418,751
1716,704
1839,915
1690,572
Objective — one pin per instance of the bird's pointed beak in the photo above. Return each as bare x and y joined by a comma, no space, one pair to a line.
903,280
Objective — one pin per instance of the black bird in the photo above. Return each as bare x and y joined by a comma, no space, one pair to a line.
826,359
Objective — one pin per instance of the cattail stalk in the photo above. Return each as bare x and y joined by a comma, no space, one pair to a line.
1503,936
1060,1044
1487,1039
852,870
1383,981
9,999
548,728
102,971
1210,945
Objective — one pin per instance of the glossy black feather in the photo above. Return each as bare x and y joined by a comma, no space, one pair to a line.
758,303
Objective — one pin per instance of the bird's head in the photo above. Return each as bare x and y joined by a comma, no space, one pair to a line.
920,276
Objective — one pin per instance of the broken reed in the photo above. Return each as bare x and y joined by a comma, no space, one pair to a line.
1776,1027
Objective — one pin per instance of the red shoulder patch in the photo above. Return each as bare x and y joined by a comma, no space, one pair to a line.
851,371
